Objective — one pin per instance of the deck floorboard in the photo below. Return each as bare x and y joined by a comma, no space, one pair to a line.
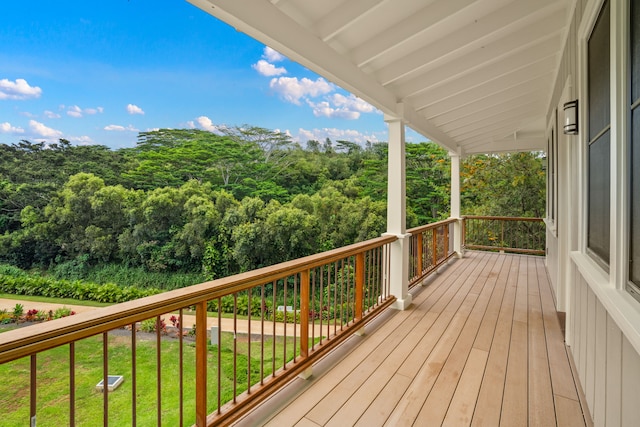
481,345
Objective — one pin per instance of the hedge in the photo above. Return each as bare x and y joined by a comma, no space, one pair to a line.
47,287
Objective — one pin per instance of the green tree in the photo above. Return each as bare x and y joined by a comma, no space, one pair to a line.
504,185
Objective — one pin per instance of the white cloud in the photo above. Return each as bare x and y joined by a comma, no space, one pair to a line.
338,106
43,131
335,134
81,140
74,111
352,103
324,109
6,127
272,55
267,69
93,110
51,115
134,109
204,123
18,90
77,112
119,128
292,89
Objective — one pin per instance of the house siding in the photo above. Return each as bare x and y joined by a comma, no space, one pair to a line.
607,364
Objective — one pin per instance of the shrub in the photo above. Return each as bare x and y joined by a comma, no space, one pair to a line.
48,287
149,325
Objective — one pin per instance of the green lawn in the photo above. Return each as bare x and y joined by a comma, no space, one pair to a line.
69,301
53,381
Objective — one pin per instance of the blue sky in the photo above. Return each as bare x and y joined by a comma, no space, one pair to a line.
100,71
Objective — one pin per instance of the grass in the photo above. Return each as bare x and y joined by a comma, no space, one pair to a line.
54,300
53,380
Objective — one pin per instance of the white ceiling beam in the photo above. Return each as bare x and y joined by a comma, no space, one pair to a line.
496,132
506,145
456,42
516,68
484,94
540,41
498,113
467,115
512,118
343,16
406,29
497,129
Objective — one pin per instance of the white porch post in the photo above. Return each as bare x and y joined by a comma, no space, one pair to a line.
455,203
396,215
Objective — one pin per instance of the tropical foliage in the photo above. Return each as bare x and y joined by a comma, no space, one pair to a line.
208,205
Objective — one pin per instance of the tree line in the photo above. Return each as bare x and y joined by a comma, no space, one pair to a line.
193,201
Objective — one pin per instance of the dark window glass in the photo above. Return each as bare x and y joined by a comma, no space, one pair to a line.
598,214
599,190
635,50
634,266
634,235
599,71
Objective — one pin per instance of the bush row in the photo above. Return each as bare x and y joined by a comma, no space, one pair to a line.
46,287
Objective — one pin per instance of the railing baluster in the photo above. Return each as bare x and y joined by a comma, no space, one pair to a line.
33,390
249,340
419,255
284,312
72,384
263,308
201,362
313,307
359,295
219,356
295,320
273,337
159,369
520,235
134,384
181,362
304,314
235,346
105,379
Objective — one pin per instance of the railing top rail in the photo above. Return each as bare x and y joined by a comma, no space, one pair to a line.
503,218
24,341
422,228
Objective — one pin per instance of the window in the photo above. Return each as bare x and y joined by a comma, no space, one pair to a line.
552,179
634,146
599,126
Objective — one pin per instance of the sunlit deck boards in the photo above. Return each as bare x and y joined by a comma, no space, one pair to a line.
480,346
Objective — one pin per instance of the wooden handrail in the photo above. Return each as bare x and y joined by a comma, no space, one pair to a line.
503,218
25,341
422,228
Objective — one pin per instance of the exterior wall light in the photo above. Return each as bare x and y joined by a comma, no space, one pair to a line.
571,117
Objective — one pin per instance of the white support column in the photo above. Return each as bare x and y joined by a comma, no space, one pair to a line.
455,203
396,215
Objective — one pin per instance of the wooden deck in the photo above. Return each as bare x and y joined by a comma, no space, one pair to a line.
480,346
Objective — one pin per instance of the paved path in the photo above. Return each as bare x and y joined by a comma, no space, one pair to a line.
241,327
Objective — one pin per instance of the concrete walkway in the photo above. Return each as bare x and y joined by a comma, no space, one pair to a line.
227,325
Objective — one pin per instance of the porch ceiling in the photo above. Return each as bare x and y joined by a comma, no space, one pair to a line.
472,75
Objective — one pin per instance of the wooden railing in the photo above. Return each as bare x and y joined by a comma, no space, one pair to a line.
496,233
430,246
318,301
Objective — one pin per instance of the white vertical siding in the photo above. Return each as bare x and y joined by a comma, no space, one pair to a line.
608,365
630,385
